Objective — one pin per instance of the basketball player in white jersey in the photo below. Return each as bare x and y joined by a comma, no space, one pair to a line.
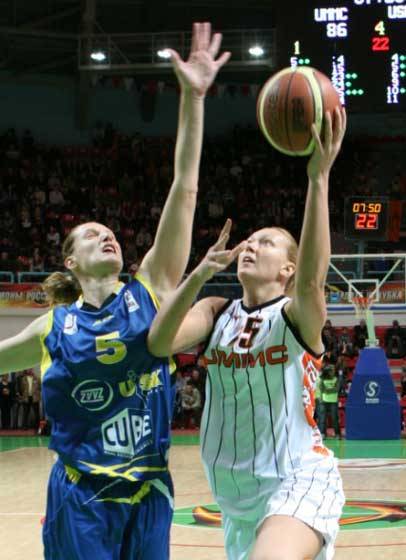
278,487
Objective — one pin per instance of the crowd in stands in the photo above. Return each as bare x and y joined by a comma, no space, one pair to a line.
122,181
20,400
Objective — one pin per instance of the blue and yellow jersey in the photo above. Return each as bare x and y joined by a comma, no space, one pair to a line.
110,401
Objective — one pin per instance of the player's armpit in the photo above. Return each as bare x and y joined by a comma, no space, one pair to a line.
23,350
307,312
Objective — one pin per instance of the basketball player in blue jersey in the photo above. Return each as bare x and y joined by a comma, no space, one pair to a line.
109,400
278,487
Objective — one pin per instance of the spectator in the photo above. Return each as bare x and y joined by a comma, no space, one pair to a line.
17,405
56,197
6,399
191,405
53,237
342,373
25,218
37,261
345,346
395,341
143,239
329,338
178,408
360,335
31,396
329,387
199,380
39,196
180,381
52,263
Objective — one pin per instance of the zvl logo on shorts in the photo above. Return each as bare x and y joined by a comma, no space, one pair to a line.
92,394
127,433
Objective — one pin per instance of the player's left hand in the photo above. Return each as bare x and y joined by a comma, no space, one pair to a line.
325,152
218,258
199,71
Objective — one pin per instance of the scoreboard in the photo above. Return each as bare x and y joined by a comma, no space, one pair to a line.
366,218
359,44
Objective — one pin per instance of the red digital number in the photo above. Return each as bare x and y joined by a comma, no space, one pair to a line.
360,221
372,221
366,221
380,44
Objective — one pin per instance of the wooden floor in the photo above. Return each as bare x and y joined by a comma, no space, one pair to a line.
23,480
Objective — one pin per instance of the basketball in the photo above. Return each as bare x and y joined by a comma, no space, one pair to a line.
288,104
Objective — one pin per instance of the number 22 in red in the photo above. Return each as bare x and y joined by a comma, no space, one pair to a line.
380,43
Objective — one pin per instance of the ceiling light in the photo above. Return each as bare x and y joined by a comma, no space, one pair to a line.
256,51
164,53
99,56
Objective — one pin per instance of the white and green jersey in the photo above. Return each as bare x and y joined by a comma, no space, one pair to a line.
257,426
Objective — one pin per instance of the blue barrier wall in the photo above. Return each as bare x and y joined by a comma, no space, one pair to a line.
372,410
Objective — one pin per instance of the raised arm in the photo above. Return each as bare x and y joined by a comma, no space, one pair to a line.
24,350
176,327
165,263
307,309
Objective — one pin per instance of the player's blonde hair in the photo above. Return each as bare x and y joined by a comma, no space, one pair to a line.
292,256
62,288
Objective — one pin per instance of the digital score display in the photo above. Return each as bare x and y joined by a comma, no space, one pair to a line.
359,44
366,218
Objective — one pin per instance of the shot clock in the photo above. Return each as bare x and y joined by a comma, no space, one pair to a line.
359,44
366,218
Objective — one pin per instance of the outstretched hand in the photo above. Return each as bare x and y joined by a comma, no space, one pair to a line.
199,71
218,257
326,151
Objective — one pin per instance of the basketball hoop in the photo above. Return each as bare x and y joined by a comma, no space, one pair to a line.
363,310
362,305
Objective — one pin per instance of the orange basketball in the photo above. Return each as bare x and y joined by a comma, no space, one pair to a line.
288,104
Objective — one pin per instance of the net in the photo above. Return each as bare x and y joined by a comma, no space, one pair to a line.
363,310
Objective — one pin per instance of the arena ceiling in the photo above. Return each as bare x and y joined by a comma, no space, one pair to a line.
42,36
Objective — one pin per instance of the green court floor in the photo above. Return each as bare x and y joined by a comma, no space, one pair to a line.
343,449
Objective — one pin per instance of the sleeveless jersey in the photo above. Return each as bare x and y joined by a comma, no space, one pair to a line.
257,424
109,400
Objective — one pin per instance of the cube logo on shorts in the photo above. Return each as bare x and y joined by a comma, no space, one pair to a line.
127,433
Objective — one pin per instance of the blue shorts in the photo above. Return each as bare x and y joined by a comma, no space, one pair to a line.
107,519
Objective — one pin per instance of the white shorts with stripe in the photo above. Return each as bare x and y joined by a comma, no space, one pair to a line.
312,494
